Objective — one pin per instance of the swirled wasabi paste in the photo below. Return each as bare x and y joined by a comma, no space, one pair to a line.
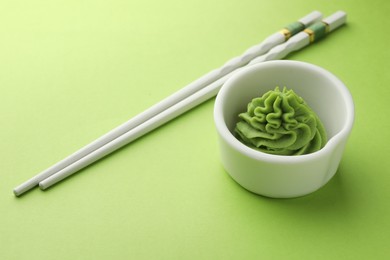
281,123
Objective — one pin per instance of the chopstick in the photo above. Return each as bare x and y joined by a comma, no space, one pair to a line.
137,121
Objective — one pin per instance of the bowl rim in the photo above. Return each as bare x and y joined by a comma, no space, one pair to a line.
258,155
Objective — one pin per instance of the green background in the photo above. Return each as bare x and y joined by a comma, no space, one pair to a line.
72,70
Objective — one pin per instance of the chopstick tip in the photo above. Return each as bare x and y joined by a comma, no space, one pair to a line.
42,186
16,192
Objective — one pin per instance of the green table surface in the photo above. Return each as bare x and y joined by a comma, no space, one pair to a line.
72,70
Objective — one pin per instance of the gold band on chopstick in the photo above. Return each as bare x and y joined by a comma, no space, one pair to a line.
286,33
317,31
327,28
310,32
292,29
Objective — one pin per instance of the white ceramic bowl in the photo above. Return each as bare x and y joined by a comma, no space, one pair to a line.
281,176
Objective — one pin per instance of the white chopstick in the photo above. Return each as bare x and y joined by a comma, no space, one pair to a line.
187,91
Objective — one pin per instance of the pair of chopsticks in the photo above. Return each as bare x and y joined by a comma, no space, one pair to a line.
292,38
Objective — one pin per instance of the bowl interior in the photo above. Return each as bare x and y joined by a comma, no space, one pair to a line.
323,92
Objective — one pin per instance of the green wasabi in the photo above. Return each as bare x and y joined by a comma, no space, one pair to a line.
281,123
